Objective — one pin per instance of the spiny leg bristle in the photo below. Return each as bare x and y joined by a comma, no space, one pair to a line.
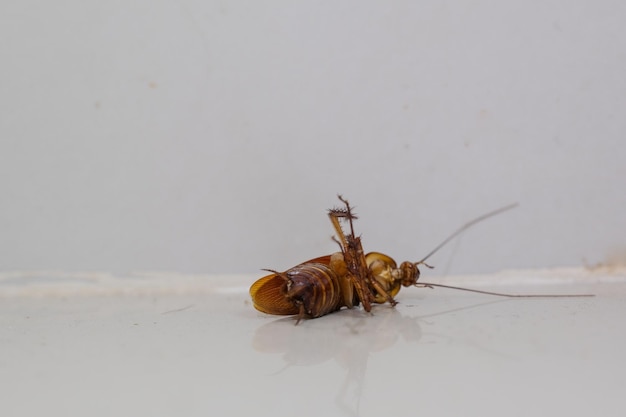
342,212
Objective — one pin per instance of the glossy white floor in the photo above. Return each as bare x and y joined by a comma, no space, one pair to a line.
172,345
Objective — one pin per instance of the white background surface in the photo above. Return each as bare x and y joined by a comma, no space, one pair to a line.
163,345
210,137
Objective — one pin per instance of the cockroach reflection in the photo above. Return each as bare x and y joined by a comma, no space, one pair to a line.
350,277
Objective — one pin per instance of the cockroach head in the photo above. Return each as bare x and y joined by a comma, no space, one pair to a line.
408,273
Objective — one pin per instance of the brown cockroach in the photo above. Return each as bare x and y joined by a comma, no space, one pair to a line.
348,278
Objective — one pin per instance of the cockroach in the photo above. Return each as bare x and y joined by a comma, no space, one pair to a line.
350,277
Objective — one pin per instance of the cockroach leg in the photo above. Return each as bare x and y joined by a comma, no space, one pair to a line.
341,237
301,314
362,291
380,290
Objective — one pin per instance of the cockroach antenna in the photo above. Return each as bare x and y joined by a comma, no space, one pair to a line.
461,230
464,228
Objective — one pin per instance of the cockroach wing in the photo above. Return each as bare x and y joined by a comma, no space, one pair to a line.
320,260
267,296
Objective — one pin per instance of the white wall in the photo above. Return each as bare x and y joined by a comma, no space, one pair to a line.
206,136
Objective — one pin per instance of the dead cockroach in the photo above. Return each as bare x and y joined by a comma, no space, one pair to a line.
348,278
